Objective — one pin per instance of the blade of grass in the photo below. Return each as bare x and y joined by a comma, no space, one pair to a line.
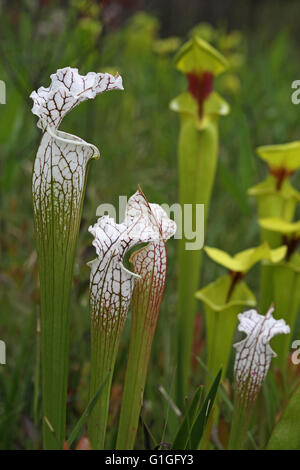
226,400
203,416
205,440
148,434
77,428
184,431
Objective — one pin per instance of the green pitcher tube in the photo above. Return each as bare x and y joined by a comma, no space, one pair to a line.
275,197
286,281
199,109
221,318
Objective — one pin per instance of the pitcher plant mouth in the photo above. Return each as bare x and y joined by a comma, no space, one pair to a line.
66,138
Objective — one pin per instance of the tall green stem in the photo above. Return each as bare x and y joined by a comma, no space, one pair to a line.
104,350
136,372
197,166
111,288
58,187
239,426
199,110
150,264
56,246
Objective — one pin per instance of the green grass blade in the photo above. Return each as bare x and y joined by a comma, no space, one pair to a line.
76,431
203,416
184,431
148,434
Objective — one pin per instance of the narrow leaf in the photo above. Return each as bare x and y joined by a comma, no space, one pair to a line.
203,416
78,426
184,431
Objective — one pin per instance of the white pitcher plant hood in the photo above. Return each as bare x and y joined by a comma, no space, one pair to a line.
254,353
111,284
62,158
67,89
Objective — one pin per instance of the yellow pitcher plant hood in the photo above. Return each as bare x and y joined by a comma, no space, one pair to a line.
284,156
244,260
200,62
197,55
275,224
268,187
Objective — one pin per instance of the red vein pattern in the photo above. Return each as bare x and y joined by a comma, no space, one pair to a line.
150,263
254,354
60,165
111,284
66,91
111,287
58,186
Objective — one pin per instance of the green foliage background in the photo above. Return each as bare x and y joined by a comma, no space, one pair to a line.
137,135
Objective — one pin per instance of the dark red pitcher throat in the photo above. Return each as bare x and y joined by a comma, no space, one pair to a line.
200,87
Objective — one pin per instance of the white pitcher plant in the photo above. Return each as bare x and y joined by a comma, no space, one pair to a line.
58,187
112,288
252,362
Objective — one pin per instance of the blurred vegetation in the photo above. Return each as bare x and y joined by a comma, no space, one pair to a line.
137,135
